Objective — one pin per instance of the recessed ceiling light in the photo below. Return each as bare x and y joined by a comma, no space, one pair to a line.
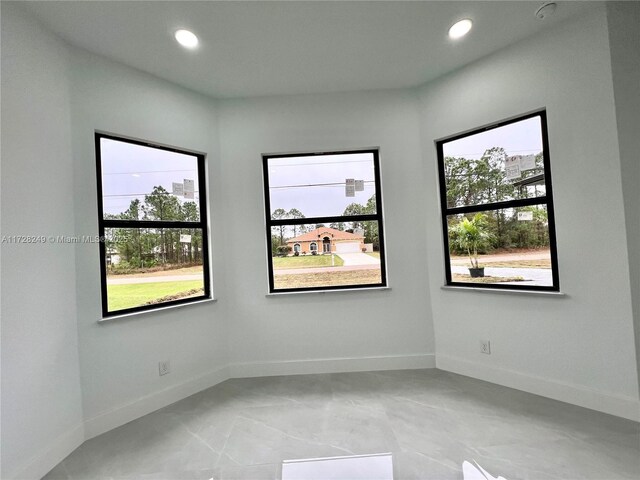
460,29
186,38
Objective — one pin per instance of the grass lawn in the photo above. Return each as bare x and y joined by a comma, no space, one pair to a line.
306,261
330,278
460,277
137,294
373,254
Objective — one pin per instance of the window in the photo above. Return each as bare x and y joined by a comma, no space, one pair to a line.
324,221
497,206
152,217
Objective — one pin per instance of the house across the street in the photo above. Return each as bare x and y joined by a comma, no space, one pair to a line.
327,240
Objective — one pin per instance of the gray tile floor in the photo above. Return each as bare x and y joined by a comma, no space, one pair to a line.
429,419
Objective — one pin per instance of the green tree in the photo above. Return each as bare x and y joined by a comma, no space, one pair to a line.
474,182
294,213
126,241
189,213
369,227
161,205
279,214
355,209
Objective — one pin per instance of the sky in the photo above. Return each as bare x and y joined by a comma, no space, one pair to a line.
131,171
315,185
520,138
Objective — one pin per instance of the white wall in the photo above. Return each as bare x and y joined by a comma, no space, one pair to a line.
291,333
41,402
119,358
624,38
578,348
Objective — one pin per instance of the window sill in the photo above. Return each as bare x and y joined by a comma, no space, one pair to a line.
315,292
505,291
155,310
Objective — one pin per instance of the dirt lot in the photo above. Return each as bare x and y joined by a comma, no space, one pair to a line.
515,259
324,279
162,273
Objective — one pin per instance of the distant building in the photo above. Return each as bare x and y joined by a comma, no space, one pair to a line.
327,240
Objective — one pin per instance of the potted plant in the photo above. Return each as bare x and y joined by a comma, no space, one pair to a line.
471,235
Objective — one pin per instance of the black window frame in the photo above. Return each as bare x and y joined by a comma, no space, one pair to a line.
103,224
326,220
546,199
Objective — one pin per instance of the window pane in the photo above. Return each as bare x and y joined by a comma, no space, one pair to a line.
145,183
322,185
147,266
311,255
500,164
512,245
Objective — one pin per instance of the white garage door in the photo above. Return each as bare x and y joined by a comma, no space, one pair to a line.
347,247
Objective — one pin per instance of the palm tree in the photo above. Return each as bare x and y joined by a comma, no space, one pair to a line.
471,235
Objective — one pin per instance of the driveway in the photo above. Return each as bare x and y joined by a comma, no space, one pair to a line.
357,258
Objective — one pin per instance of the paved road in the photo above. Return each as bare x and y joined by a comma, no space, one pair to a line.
357,258
532,276
160,278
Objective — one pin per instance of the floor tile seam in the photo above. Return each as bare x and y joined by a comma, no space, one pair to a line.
306,440
224,447
432,407
237,463
203,441
535,469
345,450
449,409
439,462
389,424
372,405
268,395
585,441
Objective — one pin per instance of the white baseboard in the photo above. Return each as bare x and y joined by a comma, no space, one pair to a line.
150,403
625,407
42,462
125,413
331,365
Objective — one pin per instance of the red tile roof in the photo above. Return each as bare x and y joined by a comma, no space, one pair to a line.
321,232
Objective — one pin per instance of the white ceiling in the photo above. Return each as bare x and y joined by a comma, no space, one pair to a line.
273,48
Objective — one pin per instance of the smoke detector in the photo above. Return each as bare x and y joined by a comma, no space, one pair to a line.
546,10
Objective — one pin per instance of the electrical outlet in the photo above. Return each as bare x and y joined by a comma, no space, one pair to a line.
485,347
164,367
